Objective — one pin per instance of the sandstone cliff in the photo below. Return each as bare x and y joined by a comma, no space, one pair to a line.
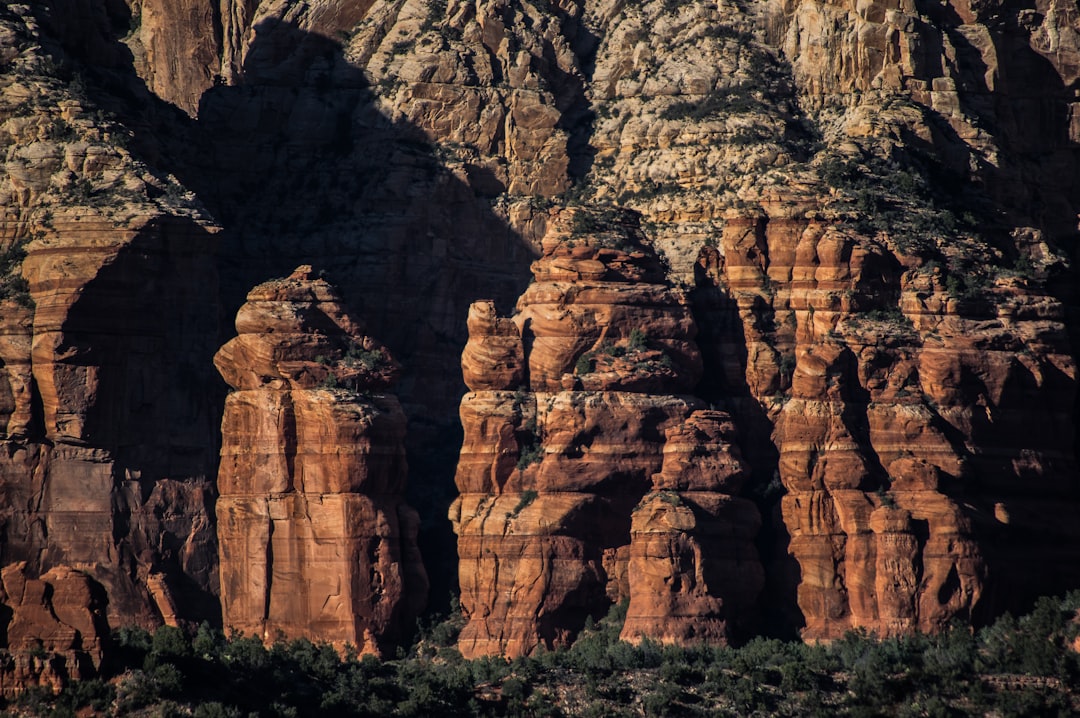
106,408
315,539
587,475
871,206
870,288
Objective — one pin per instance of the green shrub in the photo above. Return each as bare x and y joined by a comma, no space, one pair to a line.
719,102
584,363
527,497
670,497
886,497
169,642
370,360
858,675
168,680
12,284
594,220
531,453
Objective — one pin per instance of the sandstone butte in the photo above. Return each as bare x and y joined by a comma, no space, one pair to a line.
587,474
314,537
870,206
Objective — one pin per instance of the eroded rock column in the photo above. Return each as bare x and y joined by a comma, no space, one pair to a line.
316,540
694,572
578,432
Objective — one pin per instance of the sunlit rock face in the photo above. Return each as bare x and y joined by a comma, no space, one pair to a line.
872,206
316,540
587,474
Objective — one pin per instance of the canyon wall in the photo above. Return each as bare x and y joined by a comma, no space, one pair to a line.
107,410
868,209
838,181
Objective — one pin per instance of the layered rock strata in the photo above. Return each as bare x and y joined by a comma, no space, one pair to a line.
888,223
912,438
578,470
107,397
890,303
56,630
316,540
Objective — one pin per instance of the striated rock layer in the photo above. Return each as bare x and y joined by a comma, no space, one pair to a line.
880,235
316,540
924,445
587,476
876,199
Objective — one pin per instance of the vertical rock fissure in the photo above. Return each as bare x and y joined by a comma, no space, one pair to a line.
268,580
289,442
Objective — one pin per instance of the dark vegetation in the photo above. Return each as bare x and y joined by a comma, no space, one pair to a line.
924,211
531,452
597,219
353,357
530,441
630,348
902,201
12,284
1015,667
721,101
368,359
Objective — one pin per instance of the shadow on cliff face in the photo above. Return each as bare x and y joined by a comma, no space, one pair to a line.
117,469
145,332
722,340
1031,181
299,163
118,465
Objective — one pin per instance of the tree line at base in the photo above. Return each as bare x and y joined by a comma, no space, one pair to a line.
1014,667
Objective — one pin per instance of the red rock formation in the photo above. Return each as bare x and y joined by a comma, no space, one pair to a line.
406,148
693,572
895,505
56,628
315,538
550,474
115,496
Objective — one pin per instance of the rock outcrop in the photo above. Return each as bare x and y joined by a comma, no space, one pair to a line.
872,204
581,483
316,540
841,305
693,572
877,451
107,313
56,628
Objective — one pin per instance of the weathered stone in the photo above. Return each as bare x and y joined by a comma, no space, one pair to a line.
550,474
694,573
56,630
315,538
